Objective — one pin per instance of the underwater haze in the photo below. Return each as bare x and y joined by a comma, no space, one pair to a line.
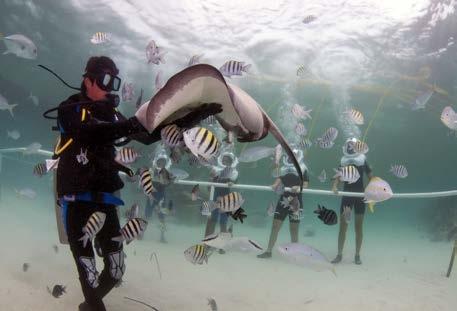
381,72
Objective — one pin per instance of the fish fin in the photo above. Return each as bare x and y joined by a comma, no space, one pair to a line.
246,68
10,109
371,206
84,238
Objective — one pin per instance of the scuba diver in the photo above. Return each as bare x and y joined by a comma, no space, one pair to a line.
289,203
161,179
350,157
224,172
87,176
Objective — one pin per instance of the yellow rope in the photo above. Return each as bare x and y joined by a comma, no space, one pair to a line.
381,101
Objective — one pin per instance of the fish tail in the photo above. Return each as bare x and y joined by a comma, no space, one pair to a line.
10,109
84,238
246,68
371,206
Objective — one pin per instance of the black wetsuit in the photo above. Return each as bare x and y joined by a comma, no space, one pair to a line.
281,211
356,203
87,178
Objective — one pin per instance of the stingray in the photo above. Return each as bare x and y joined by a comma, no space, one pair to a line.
199,91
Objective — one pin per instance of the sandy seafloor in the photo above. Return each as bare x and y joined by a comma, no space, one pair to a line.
401,270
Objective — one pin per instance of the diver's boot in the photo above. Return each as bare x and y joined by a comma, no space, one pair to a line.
337,259
357,260
266,254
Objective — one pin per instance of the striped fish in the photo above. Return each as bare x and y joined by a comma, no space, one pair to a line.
324,144
198,254
234,68
131,230
302,71
126,155
306,143
202,142
92,227
348,174
172,135
355,116
308,19
229,202
330,134
146,182
206,207
195,59
40,169
359,147
399,171
327,216
300,129
100,37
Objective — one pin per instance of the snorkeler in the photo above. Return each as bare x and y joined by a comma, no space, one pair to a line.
161,179
224,172
289,203
88,176
348,204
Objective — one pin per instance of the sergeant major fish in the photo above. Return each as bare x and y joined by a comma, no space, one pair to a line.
93,226
202,142
132,229
234,68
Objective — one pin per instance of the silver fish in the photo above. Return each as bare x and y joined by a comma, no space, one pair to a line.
14,134
21,46
5,106
399,171
253,154
32,148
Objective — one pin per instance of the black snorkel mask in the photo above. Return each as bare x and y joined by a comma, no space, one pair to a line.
105,80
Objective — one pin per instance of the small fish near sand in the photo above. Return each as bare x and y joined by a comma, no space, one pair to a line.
305,255
198,254
57,290
327,216
5,106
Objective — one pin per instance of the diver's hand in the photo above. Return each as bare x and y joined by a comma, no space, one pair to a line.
295,189
141,115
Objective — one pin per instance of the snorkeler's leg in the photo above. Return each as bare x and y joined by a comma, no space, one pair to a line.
77,215
113,255
293,227
277,223
341,234
359,215
211,223
223,220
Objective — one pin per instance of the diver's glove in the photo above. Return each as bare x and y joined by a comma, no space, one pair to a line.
239,215
136,126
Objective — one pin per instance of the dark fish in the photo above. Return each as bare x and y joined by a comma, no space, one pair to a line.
40,169
57,291
212,304
25,267
328,216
